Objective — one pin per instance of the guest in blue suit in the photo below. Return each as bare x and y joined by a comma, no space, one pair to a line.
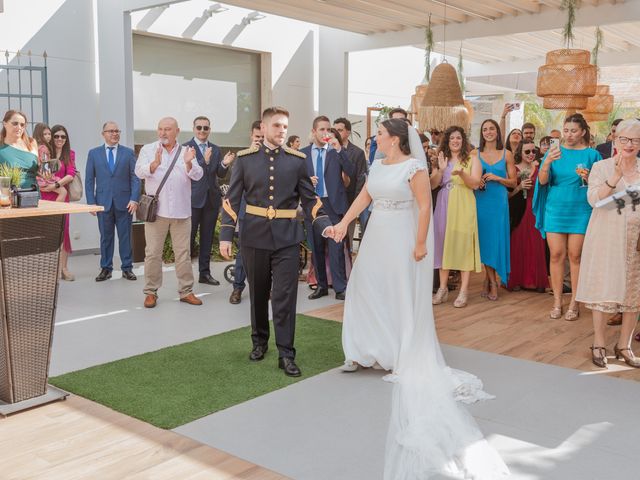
326,164
206,197
110,181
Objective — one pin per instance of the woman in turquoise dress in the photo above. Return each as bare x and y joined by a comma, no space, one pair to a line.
17,149
492,202
561,207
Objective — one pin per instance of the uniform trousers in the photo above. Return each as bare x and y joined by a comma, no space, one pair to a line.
273,272
155,233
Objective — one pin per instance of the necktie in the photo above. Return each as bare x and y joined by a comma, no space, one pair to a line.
111,159
319,174
203,147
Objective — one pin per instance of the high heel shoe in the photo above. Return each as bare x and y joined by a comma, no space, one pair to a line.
599,361
67,275
555,313
493,296
461,301
441,296
485,288
572,314
630,359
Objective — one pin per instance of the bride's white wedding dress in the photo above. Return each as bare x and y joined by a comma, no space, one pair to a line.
388,319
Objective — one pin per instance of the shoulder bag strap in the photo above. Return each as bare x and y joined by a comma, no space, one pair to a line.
166,175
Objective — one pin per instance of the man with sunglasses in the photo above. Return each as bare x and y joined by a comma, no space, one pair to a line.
206,198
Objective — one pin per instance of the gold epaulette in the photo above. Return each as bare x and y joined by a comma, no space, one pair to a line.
291,151
247,151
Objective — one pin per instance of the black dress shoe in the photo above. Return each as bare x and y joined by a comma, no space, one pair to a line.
103,275
236,296
258,352
289,366
319,292
340,296
208,279
129,275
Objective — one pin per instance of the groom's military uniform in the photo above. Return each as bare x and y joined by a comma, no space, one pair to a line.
274,183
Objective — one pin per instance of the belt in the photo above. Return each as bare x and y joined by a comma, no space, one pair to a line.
271,212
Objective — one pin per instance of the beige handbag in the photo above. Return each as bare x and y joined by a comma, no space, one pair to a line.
75,188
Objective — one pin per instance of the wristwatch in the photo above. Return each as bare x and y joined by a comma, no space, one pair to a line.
57,185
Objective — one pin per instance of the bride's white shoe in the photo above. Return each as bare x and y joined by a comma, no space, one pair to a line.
349,366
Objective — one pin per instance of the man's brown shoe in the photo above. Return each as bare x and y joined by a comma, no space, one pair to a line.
236,296
150,301
191,299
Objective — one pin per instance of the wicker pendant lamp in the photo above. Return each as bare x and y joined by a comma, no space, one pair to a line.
567,79
601,104
443,105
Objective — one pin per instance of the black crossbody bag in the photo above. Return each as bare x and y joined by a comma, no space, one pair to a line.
148,206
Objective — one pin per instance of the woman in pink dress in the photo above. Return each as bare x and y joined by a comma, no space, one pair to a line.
528,261
64,176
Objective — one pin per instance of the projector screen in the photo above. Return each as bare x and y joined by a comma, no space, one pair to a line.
184,80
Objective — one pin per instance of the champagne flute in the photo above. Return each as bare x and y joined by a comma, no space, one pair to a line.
581,169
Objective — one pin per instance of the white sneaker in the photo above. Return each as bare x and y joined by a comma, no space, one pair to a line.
349,366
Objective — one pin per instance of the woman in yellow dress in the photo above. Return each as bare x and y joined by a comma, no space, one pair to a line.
455,218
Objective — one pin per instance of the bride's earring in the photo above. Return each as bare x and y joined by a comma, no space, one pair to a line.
393,144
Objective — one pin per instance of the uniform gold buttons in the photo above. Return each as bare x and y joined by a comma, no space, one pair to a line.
271,178
271,168
275,151
270,197
267,150
271,187
271,159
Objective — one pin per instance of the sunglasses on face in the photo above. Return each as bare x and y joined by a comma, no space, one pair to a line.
18,124
112,132
528,152
202,128
59,136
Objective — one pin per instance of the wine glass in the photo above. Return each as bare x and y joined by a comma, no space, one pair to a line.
581,169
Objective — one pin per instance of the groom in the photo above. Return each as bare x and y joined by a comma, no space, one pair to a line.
274,180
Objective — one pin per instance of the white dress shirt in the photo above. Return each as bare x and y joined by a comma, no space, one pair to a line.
175,198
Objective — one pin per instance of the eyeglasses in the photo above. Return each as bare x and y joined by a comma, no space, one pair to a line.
528,152
18,124
60,136
202,127
625,140
112,132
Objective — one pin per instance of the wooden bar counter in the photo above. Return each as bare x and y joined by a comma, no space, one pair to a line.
30,241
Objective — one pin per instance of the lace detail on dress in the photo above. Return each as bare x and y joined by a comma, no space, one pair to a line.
416,166
385,204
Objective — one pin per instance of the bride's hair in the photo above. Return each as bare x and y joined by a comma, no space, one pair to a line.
465,149
397,127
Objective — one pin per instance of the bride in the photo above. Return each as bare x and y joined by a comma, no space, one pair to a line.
388,322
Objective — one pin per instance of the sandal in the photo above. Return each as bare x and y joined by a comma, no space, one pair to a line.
630,359
485,288
441,296
555,313
461,301
491,296
572,314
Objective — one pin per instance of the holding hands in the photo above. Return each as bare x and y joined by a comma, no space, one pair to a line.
339,231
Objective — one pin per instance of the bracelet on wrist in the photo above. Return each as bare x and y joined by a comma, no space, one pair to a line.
57,184
606,182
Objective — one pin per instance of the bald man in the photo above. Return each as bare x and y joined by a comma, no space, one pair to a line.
167,169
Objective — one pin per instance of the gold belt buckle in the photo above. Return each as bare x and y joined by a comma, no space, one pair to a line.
271,212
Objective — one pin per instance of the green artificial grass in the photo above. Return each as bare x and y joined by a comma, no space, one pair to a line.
179,384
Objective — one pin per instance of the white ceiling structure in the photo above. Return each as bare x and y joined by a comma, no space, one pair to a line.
498,37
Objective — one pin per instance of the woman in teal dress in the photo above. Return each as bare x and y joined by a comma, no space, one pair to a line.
492,202
17,149
561,207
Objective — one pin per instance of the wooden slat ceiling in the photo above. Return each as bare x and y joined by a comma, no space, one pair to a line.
532,45
378,16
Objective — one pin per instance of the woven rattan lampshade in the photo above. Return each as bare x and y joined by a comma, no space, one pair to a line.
416,99
443,105
600,105
567,79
